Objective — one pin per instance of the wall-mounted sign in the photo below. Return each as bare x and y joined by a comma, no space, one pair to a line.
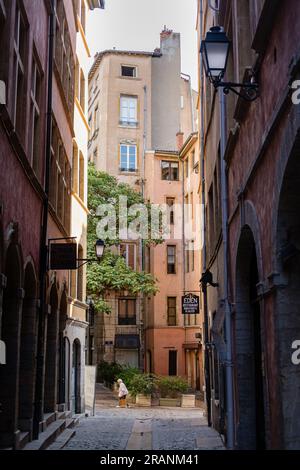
63,256
190,304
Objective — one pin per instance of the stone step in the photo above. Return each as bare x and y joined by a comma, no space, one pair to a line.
48,436
71,422
62,439
50,417
24,439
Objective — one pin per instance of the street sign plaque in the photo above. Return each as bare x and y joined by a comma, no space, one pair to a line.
63,256
190,304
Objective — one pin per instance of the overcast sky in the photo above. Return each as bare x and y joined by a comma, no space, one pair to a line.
136,25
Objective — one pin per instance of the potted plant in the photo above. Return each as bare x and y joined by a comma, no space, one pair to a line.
141,387
171,390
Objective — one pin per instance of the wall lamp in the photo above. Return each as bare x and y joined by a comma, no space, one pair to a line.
207,278
215,52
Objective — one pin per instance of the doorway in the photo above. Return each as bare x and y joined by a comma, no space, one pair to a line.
248,345
172,362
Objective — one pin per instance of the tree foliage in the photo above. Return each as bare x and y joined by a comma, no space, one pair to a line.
112,272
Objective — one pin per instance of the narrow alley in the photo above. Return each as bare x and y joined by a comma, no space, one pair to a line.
156,428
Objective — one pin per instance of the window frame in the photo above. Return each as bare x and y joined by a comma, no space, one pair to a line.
169,162
127,317
169,271
127,168
127,254
133,67
127,120
172,316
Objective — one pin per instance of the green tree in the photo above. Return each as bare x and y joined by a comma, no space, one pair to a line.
112,273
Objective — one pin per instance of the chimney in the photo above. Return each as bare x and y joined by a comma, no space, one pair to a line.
166,33
179,140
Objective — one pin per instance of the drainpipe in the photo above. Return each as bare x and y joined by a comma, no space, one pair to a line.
42,325
204,256
228,323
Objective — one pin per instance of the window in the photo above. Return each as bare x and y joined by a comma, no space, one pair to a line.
82,90
128,160
128,110
75,169
170,203
77,70
171,259
81,177
90,126
64,59
171,311
128,71
20,47
193,159
186,165
60,180
96,119
35,116
169,171
127,312
128,251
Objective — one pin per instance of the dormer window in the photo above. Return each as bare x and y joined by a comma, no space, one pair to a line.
128,71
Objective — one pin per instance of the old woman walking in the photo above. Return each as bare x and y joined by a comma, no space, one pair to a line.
123,392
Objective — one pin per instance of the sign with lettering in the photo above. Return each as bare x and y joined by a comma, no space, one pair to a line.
63,256
190,304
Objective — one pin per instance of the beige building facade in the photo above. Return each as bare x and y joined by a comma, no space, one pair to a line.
142,110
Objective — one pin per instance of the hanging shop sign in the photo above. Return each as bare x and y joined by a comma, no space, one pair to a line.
63,256
190,304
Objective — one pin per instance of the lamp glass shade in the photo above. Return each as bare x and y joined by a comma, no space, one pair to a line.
215,52
99,248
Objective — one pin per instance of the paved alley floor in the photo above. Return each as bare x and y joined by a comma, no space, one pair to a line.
156,428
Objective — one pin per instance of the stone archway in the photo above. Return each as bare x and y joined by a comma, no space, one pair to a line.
11,325
50,394
28,351
251,415
287,299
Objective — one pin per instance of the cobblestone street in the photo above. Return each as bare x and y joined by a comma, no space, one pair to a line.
156,428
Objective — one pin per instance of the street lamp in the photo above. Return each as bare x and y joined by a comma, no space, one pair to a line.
99,247
215,50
